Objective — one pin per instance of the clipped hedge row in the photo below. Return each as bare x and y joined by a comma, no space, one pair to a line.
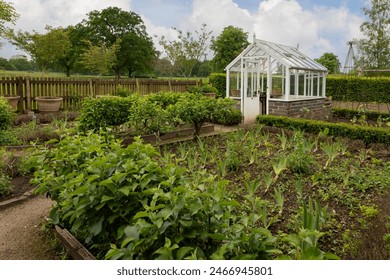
350,114
368,134
358,89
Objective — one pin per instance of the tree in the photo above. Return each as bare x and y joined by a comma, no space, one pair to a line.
107,27
185,52
100,58
46,49
374,49
331,62
227,46
7,14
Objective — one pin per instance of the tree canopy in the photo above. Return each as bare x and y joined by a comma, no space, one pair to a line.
7,14
374,49
229,44
187,50
108,26
330,61
45,49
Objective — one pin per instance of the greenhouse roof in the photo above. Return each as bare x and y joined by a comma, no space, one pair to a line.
288,56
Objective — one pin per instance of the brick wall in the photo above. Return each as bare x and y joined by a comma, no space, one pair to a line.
309,108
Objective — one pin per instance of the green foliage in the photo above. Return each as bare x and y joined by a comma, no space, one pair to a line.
8,14
227,46
122,92
225,112
206,88
195,109
8,137
185,52
165,99
367,134
148,117
104,112
219,82
46,49
331,62
356,114
112,26
128,203
358,89
374,48
100,59
6,114
5,185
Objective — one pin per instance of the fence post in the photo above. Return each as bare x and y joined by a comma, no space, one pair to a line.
97,88
19,92
28,94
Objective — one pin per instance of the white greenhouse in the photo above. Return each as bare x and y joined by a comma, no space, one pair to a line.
269,78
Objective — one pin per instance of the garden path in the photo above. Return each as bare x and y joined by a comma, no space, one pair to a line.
21,237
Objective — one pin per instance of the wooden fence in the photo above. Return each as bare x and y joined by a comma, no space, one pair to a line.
74,90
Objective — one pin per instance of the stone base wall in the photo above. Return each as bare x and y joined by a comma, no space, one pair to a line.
309,108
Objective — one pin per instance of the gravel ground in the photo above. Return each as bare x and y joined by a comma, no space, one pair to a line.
21,237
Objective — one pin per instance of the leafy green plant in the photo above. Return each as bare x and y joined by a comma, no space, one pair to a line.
103,113
194,109
6,114
5,185
225,112
147,117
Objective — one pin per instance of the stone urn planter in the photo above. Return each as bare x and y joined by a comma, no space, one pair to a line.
13,101
48,103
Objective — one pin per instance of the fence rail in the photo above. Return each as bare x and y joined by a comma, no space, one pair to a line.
74,90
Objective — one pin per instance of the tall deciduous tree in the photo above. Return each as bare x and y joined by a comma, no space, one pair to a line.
374,49
229,44
100,58
330,61
45,49
136,51
185,52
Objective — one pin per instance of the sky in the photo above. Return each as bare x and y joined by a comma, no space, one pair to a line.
317,26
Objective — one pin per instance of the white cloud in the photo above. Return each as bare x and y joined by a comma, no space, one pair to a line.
317,30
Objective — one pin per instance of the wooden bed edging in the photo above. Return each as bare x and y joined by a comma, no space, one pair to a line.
76,250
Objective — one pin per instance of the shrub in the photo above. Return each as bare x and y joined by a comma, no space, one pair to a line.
105,112
206,88
358,89
8,137
195,109
125,203
351,114
165,99
367,134
148,117
226,113
5,185
6,114
218,81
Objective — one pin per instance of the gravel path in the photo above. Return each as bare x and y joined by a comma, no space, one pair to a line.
21,237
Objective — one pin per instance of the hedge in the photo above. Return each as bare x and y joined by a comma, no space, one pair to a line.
218,80
356,89
350,114
368,134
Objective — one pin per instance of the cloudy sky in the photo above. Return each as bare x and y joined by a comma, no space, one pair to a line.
318,26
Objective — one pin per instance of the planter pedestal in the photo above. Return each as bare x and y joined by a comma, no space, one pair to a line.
48,103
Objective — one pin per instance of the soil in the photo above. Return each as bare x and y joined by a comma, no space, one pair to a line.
21,236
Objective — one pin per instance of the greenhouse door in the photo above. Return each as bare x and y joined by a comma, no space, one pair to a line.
251,96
